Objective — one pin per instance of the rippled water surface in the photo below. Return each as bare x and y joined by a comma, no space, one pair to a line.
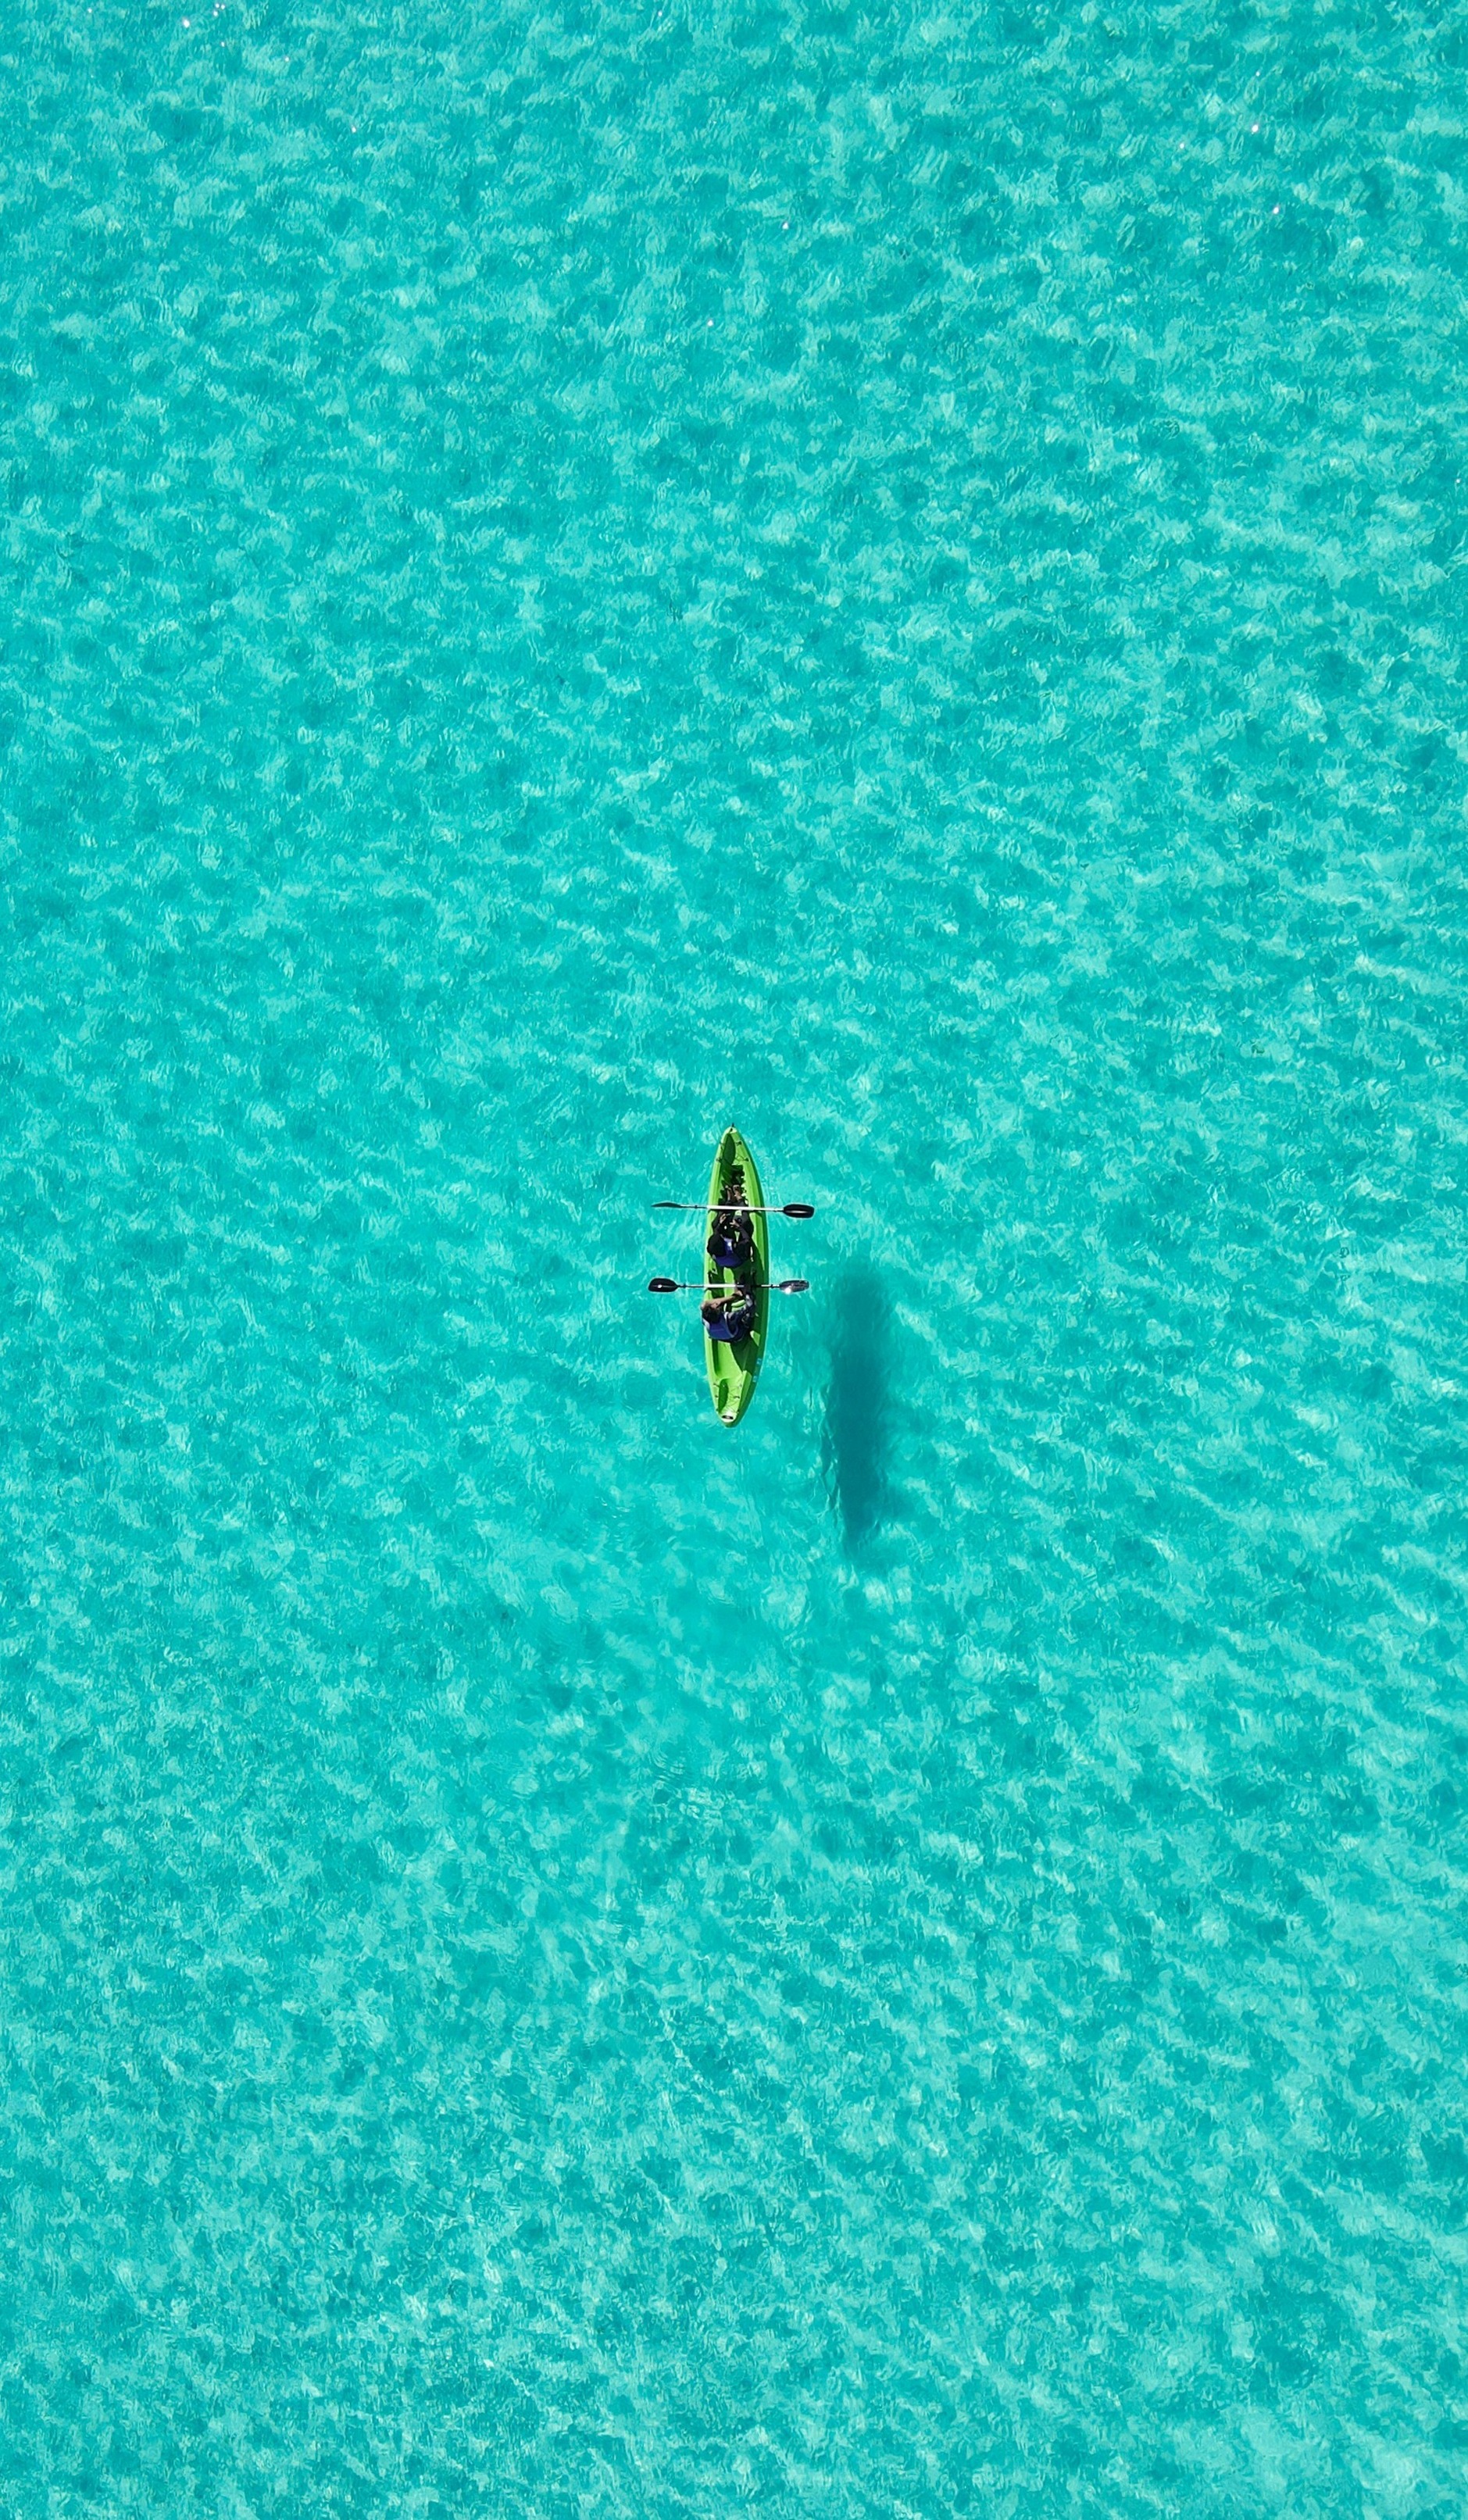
570,577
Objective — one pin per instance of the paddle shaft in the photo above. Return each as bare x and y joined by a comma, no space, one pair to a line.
690,1206
768,1286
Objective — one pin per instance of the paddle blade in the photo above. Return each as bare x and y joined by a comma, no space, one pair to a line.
662,1285
794,1285
668,1202
797,1207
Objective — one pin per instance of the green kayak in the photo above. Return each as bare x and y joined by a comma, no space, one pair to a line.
734,1370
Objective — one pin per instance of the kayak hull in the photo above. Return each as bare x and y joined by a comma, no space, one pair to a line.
734,1370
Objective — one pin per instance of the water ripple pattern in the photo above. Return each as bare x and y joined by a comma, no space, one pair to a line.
569,577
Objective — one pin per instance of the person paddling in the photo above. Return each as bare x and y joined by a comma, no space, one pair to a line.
731,1244
731,1317
731,1238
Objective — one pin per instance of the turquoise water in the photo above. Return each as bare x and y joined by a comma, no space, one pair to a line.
896,579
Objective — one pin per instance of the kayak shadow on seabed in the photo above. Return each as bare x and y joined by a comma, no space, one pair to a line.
856,1437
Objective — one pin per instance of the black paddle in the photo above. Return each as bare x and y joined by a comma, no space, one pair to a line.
797,1207
775,1286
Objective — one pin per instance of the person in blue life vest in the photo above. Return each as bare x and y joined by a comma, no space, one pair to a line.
731,1234
730,1243
730,1315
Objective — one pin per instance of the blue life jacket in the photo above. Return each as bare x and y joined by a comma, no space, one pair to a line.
734,1324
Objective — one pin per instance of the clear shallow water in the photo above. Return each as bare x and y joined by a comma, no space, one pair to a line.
898,580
